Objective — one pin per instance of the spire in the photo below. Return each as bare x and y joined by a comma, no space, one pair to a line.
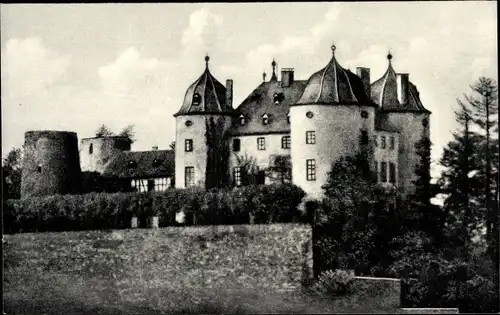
207,58
273,77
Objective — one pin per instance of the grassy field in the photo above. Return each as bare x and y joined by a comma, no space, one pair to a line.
243,302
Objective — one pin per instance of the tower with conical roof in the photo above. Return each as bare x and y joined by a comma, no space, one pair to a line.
201,125
334,117
400,107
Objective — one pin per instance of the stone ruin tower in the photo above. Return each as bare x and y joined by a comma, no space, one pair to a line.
97,152
51,164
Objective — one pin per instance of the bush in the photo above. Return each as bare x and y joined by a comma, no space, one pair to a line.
268,204
338,282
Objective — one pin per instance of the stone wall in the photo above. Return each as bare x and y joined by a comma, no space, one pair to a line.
157,266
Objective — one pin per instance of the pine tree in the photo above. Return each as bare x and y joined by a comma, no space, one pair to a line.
485,110
460,181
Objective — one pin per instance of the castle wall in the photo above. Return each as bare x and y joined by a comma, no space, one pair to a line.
337,129
51,163
412,130
198,157
249,148
96,153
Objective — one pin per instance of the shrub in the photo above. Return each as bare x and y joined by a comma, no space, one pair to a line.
270,204
338,282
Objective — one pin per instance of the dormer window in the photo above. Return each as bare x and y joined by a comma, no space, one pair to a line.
132,164
242,120
278,98
156,163
265,119
196,99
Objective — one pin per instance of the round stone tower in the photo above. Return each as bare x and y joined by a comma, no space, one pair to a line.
51,164
201,125
97,152
333,118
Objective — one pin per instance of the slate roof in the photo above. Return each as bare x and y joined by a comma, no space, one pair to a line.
141,164
261,101
334,85
212,96
384,92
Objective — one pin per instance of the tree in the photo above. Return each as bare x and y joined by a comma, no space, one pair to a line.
11,174
248,168
459,181
485,109
128,131
280,169
103,131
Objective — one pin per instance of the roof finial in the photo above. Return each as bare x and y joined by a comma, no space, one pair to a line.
333,48
207,58
389,56
273,64
264,76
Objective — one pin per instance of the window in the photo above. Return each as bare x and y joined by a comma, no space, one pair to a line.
189,176
39,169
392,173
196,99
286,142
132,164
310,137
261,143
364,137
160,184
364,114
189,123
309,114
391,143
236,145
278,98
382,139
375,142
237,176
311,169
288,118
265,119
425,122
188,145
376,171
156,163
91,148
242,120
140,185
383,172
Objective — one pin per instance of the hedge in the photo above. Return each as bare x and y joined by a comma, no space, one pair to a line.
265,204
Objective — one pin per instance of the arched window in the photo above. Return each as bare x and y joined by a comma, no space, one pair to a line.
156,163
132,164
242,120
278,98
196,99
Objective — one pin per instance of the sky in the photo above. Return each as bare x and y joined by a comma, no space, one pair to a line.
75,67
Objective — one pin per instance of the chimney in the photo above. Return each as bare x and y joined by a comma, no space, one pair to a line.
155,148
229,93
403,85
286,77
364,75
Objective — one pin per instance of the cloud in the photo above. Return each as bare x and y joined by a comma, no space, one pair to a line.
203,32
29,67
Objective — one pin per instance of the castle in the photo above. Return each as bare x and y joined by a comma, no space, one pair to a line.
308,123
